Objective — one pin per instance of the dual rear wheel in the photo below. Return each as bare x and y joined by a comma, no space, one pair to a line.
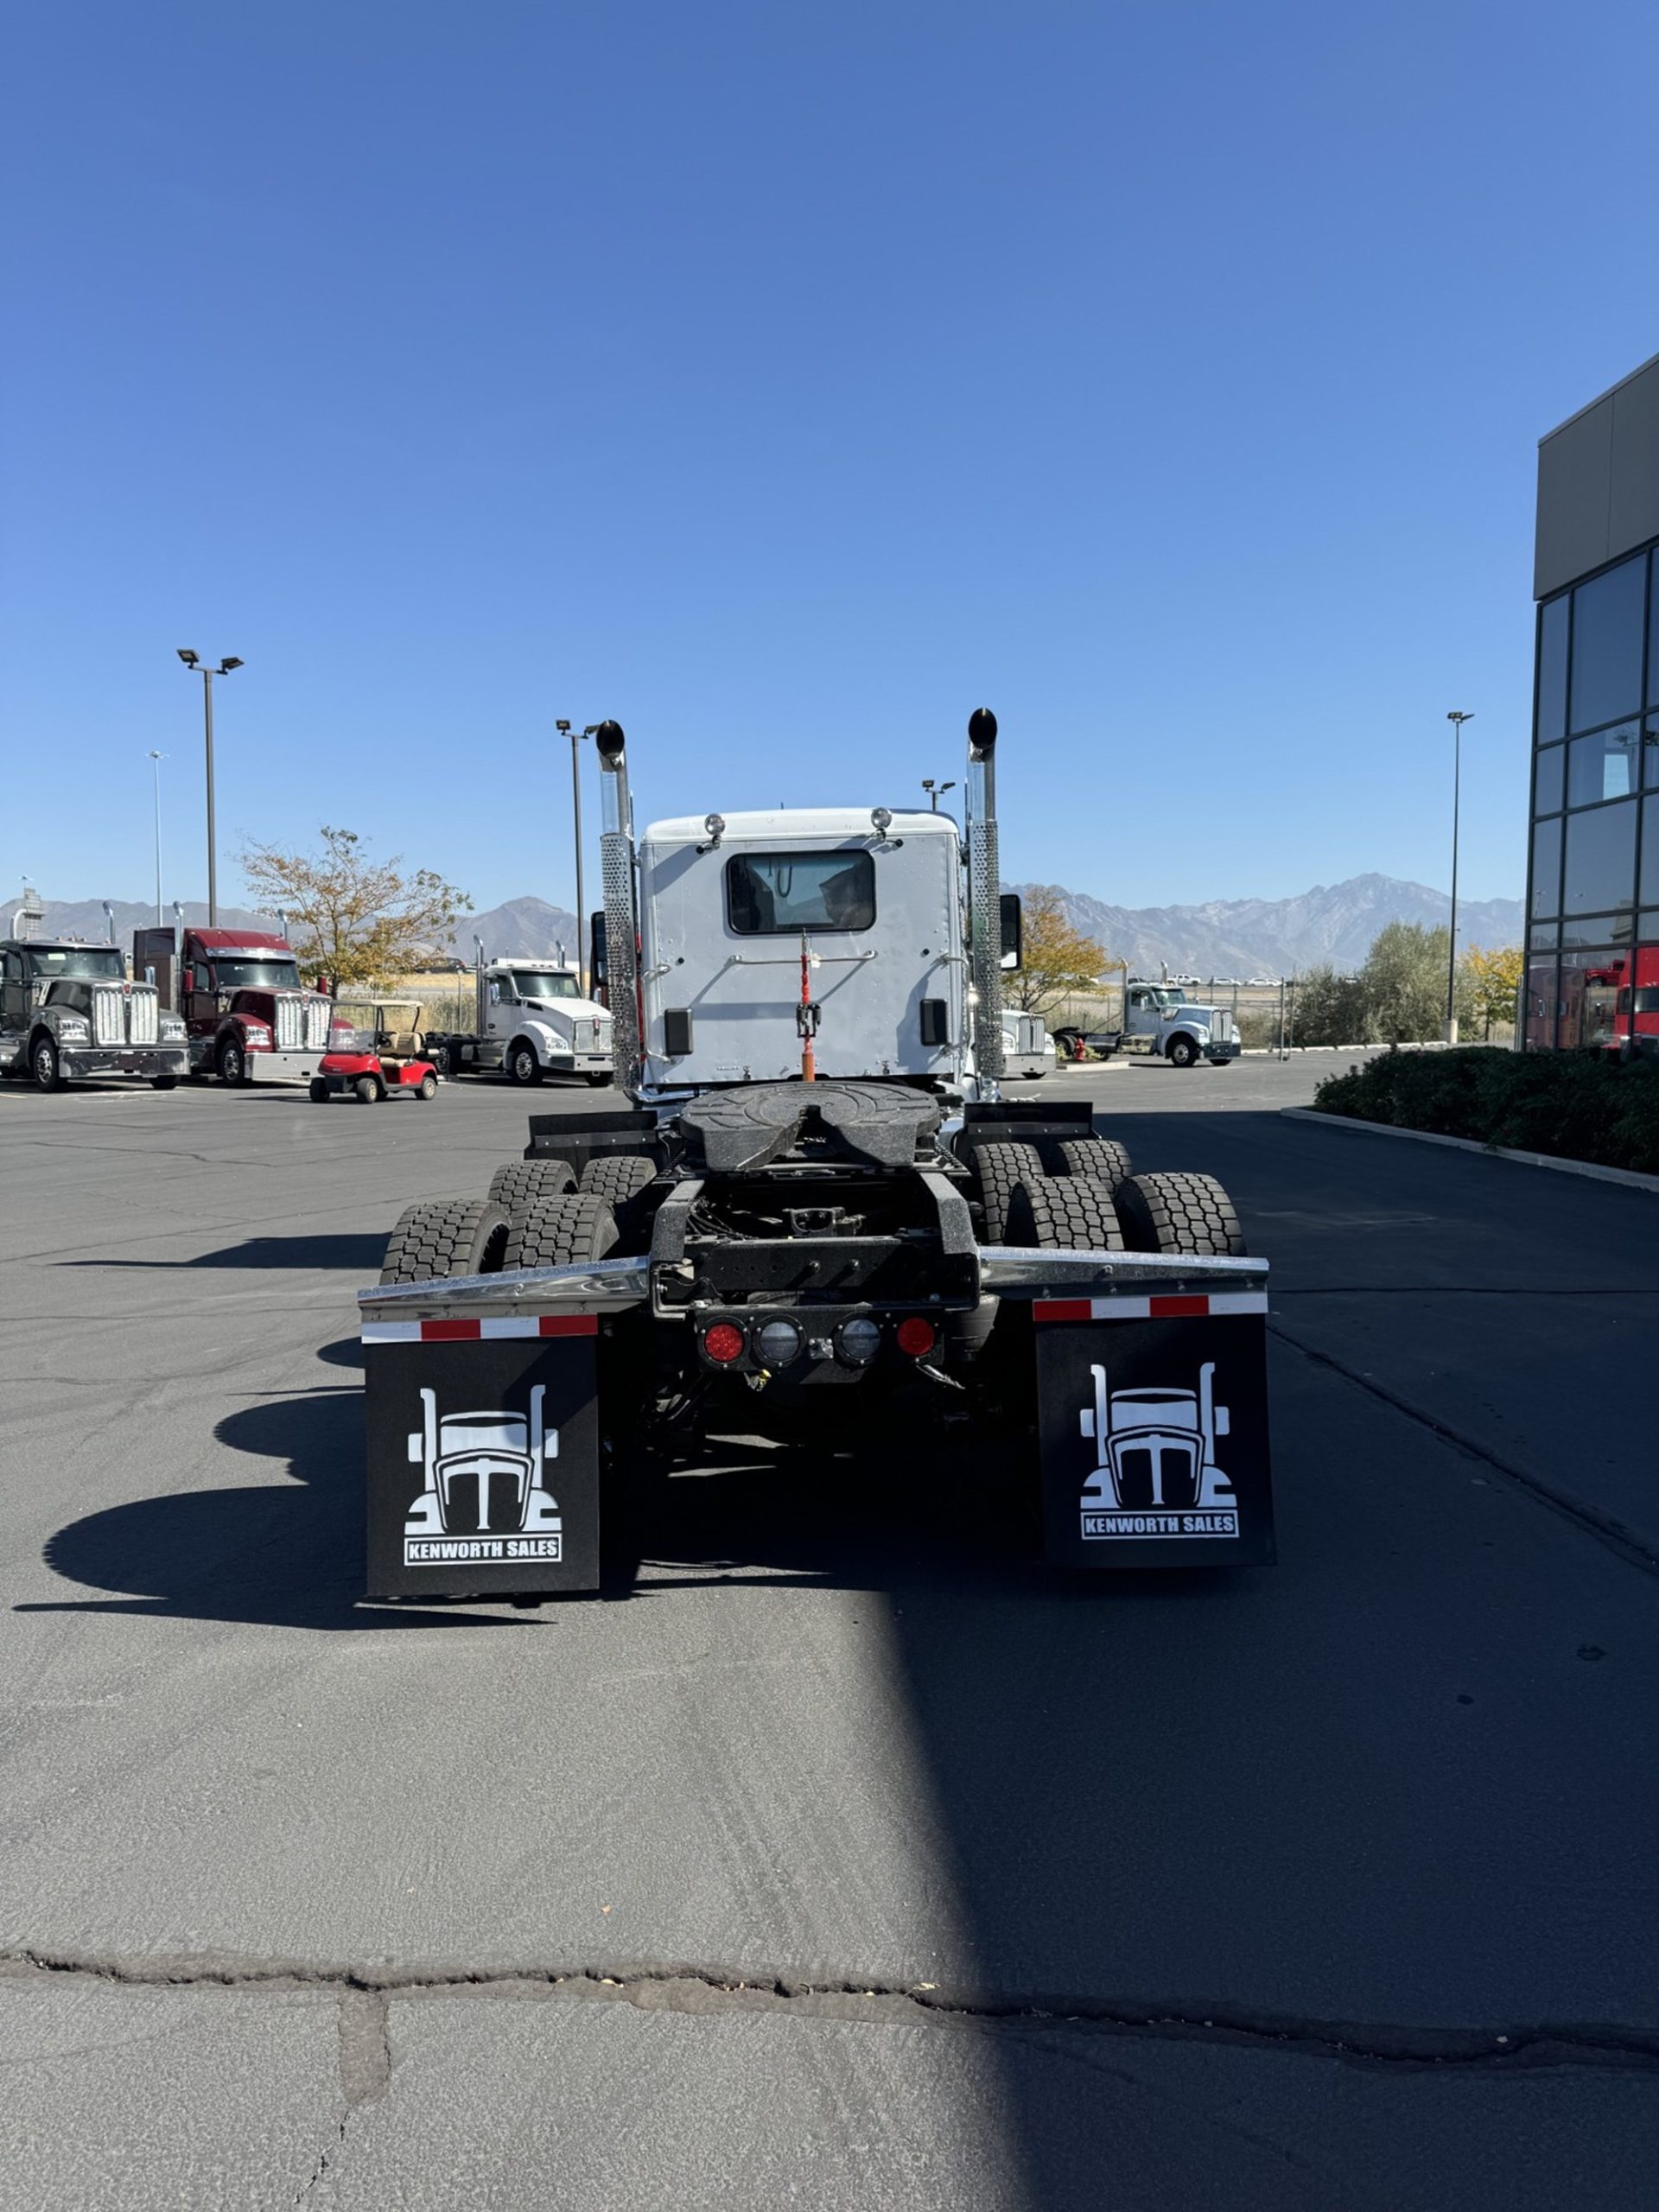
1085,1198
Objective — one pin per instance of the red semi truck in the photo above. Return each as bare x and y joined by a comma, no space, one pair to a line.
249,1018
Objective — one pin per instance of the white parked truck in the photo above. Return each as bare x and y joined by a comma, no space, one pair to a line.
816,1218
68,1010
1027,1048
530,1020
1164,1021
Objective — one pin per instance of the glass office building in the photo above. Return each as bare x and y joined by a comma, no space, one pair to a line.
1593,889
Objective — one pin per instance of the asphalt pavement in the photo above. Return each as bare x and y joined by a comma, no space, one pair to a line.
841,1857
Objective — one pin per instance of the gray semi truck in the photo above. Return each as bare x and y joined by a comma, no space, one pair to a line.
68,1011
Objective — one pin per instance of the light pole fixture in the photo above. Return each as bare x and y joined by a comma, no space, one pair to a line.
935,792
193,661
575,736
1457,718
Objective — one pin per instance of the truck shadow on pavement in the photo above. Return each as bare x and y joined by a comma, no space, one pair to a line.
361,1252
287,1554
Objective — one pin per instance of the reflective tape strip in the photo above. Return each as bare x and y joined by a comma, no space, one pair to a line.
1173,1307
465,1332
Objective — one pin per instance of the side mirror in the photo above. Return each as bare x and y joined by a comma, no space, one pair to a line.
1013,930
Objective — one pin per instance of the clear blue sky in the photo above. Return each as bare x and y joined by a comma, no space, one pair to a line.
785,380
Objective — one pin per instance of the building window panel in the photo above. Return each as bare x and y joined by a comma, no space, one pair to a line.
1649,892
1547,869
1600,871
1602,766
1650,742
1548,780
1607,618
1653,638
1543,936
1552,670
1600,928
1542,1006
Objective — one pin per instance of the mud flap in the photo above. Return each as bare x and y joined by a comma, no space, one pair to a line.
1153,1432
483,1456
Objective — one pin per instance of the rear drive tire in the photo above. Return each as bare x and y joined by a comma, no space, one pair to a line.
518,1184
319,1090
597,1081
1181,1052
446,1237
427,1087
1179,1213
45,1066
163,1082
561,1232
1100,1159
621,1180
1065,1213
1001,1169
521,1063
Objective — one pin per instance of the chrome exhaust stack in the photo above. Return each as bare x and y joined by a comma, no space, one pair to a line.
984,903
621,929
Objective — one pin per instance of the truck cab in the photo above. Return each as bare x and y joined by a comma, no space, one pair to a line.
69,1011
248,1016
1173,1027
848,918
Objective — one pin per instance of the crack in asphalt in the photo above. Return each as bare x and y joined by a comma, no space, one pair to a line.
366,1992
1604,1528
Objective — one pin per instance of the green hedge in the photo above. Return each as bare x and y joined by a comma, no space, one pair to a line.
1577,1105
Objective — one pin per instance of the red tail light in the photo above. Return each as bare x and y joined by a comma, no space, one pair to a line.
916,1337
723,1343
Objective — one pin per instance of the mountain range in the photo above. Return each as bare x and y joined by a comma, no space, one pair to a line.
1333,922
1226,937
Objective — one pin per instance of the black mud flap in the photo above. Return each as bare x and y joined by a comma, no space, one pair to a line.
1154,1431
483,1457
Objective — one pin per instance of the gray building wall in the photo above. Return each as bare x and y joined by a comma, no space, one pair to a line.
1598,482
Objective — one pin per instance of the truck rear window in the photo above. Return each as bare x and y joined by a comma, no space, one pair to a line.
780,894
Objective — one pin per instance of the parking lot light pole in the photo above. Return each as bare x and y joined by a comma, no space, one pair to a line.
1457,719
155,759
194,661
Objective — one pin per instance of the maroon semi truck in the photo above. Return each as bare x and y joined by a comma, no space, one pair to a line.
248,1017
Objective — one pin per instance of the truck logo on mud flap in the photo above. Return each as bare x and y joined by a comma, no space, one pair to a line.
484,1495
1155,1472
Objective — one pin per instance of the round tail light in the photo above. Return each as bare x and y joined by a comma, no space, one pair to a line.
916,1337
723,1343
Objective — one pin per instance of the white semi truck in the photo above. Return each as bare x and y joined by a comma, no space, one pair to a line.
530,1019
815,1217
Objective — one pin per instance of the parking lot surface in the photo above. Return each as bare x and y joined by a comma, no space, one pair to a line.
840,1856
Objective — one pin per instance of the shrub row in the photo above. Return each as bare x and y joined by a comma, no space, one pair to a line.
1575,1105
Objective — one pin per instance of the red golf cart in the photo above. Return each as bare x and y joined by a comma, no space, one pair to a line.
374,1052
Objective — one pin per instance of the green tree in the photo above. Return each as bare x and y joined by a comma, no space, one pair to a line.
1055,959
1404,981
354,919
1332,1008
